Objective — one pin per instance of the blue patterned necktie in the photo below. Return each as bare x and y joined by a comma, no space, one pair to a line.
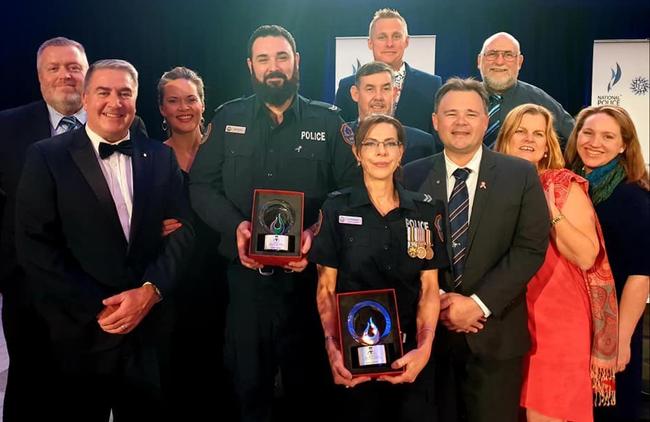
459,222
69,123
490,137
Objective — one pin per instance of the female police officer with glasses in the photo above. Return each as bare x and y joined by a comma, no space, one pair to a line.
368,239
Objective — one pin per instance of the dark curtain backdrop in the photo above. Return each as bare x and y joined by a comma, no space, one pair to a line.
210,36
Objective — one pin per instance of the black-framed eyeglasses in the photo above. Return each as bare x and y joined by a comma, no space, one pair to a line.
492,55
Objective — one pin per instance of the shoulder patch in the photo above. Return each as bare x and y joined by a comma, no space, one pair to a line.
347,133
206,134
319,223
437,222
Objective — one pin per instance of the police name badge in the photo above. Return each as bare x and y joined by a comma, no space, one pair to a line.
370,332
241,130
349,219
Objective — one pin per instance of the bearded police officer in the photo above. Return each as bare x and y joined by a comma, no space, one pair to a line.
275,139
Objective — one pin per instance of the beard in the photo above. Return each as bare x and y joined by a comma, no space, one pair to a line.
276,94
498,85
68,103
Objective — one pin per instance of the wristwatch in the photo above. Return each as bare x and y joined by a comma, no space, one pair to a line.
148,283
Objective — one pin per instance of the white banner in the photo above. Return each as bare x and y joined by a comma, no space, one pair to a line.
621,76
353,52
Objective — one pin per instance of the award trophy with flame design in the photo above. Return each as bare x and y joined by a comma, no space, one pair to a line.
276,226
370,333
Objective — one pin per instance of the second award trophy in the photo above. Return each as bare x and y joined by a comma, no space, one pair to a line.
276,226
369,329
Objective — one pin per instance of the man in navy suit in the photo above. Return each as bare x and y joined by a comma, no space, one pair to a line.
374,92
61,66
90,206
388,38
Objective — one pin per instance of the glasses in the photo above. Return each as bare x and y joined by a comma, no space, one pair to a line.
492,55
373,145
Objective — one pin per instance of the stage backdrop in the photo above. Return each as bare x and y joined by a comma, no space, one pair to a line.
621,76
352,52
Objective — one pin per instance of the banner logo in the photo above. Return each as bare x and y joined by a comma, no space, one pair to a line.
640,85
616,76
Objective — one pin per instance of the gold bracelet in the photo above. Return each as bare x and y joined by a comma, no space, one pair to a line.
557,219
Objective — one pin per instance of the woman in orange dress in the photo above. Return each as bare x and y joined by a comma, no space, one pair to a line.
571,300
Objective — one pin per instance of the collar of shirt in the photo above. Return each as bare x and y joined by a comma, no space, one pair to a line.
95,139
261,108
474,165
360,197
55,117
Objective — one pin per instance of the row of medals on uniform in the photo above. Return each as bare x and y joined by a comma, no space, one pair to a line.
419,243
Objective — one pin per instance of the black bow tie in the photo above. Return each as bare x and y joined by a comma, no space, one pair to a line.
106,149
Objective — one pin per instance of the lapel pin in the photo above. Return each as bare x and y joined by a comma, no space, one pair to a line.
437,182
144,154
482,185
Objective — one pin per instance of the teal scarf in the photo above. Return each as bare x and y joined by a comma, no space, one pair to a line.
603,180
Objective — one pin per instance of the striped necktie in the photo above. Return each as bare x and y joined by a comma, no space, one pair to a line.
68,123
490,137
459,222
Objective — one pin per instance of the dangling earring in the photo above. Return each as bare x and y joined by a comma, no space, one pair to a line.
163,125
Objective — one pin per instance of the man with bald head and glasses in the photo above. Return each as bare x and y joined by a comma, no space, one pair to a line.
499,62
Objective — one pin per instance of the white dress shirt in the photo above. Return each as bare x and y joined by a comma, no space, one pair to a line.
474,166
118,173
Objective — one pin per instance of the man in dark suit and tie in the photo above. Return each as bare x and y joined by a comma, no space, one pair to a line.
90,206
61,66
497,233
388,38
374,92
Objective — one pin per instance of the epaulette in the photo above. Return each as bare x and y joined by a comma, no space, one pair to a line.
336,193
422,197
236,100
325,105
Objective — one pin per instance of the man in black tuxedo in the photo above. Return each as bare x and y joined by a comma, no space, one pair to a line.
90,206
61,65
374,92
388,38
495,251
